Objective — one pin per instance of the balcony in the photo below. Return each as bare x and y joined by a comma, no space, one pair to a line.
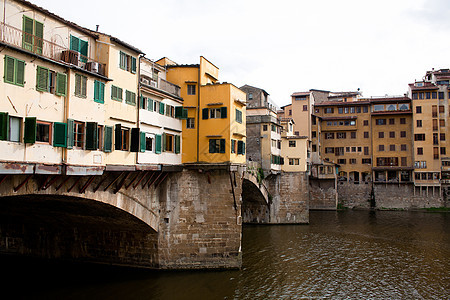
17,38
161,84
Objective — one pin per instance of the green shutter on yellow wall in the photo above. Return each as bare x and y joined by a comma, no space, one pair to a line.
177,144
4,124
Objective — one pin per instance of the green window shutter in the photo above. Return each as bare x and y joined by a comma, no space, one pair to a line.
59,134
177,144
223,112
61,84
9,69
163,142
240,147
38,37
4,124
135,138
70,133
243,147
205,112
74,43
78,84
161,108
150,104
233,145
107,142
222,146
42,79
118,137
102,92
113,92
91,135
96,90
141,101
158,144
29,135
83,86
212,146
27,35
142,142
83,49
20,72
133,64
184,114
99,92
178,112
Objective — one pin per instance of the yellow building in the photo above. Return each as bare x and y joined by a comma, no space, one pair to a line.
215,128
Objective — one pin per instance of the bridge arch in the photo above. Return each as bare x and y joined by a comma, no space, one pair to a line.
255,200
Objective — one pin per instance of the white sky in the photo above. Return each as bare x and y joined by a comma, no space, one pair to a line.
283,46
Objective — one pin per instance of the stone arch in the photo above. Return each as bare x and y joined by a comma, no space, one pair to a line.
255,200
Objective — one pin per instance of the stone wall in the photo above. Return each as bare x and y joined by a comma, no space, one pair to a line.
255,209
322,194
290,198
201,220
354,195
403,196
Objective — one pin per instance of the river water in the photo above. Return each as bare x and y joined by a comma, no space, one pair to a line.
340,255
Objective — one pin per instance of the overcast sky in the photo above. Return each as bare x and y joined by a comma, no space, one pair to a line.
283,46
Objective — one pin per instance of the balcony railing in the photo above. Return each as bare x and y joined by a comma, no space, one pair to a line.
169,87
20,39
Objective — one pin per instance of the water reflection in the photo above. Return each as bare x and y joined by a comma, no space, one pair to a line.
352,254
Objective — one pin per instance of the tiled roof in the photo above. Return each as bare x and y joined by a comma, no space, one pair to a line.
300,94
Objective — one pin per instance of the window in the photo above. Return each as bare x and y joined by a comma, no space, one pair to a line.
33,34
353,135
339,151
391,147
414,96
116,93
313,134
442,137
340,110
291,143
127,62
352,161
403,147
130,98
80,46
427,95
190,123
314,148
50,81
342,161
418,109
43,132
418,123
380,121
419,151
380,147
433,95
78,134
367,161
402,120
233,146
387,161
99,91
294,161
250,96
290,112
14,71
420,96
441,123
443,151
435,152
80,85
402,134
168,142
366,150
365,109
240,147
214,113
366,122
217,146
148,143
329,149
305,107
191,89
264,127
238,116
274,128
341,135
441,109
347,149
122,136
392,134
15,125
380,135
441,95
366,134
391,121
329,110
353,149
419,137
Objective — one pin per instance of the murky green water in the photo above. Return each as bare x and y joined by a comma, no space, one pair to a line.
340,255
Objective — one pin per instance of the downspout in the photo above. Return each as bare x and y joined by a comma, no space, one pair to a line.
138,101
66,114
198,116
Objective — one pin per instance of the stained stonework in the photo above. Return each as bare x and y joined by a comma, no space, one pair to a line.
323,194
201,220
353,195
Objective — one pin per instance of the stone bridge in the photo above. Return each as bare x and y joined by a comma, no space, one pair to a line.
166,217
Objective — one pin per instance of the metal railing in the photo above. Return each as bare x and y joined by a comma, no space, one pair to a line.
20,39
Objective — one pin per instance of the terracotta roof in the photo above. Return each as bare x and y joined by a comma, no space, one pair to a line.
300,94
425,87
339,103
339,118
390,99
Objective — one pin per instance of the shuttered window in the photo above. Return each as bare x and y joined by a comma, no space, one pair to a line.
116,93
158,145
217,146
14,71
133,65
149,104
99,92
30,130
59,134
70,133
42,79
181,113
80,46
135,140
238,116
241,147
80,85
177,144
107,143
91,136
142,142
4,122
130,97
45,81
161,108
127,62
32,36
61,84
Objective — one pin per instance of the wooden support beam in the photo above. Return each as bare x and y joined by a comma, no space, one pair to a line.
17,188
156,179
120,185
133,180
87,184
112,182
52,181
45,182
3,178
159,182
101,182
62,183
139,181
75,183
149,178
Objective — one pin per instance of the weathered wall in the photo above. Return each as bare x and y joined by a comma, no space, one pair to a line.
255,209
290,198
402,196
322,194
354,195
200,224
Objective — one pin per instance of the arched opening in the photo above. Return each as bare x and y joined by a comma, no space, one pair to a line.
78,229
254,206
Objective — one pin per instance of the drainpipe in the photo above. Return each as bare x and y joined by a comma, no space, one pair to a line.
66,113
198,116
138,100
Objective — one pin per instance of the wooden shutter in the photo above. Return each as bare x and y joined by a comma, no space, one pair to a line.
4,124
205,112
29,135
233,145
161,108
212,146
20,72
133,64
70,133
102,92
222,146
74,43
142,142
177,144
83,49
38,37
107,142
27,35
42,79
178,112
141,102
59,134
223,112
61,84
157,144
184,114
240,147
243,147
78,84
9,70
150,104
163,142
96,90
91,135
135,138
118,137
